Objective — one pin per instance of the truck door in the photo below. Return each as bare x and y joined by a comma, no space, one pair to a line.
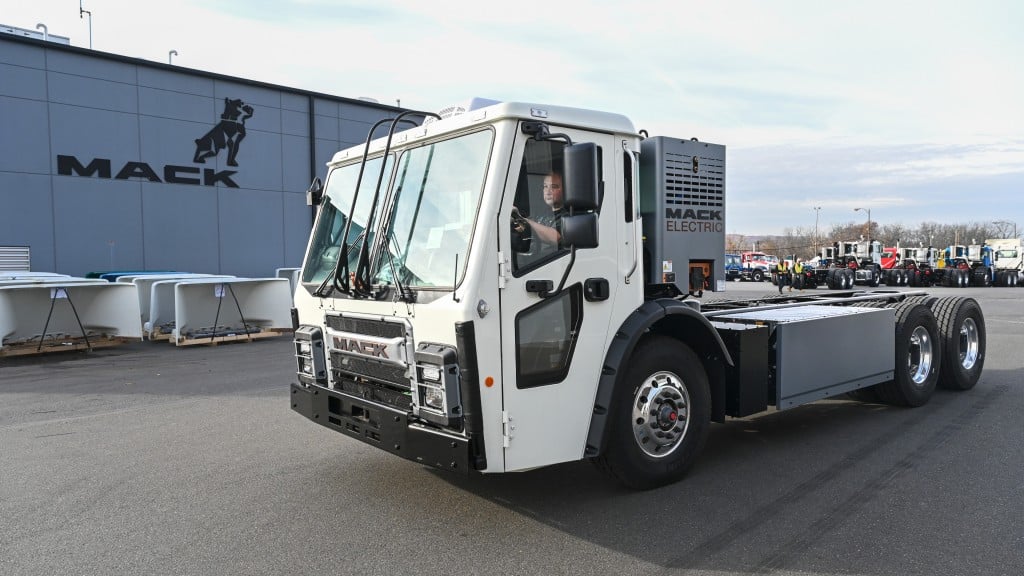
552,346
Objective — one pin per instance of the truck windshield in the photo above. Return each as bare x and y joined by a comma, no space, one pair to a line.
337,202
430,226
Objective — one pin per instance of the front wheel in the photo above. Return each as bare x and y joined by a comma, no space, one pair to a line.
660,415
757,275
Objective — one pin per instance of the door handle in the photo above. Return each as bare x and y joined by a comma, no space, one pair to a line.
541,287
595,289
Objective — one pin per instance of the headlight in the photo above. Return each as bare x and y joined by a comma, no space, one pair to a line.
437,382
310,362
431,373
433,397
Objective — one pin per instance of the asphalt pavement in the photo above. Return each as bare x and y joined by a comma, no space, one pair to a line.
151,459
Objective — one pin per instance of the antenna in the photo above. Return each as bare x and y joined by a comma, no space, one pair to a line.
84,11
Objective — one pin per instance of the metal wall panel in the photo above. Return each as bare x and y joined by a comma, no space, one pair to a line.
24,146
173,81
181,228
298,220
22,82
78,64
295,164
251,231
23,55
174,105
26,216
98,225
88,133
93,93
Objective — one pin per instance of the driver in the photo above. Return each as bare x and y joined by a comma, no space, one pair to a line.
547,227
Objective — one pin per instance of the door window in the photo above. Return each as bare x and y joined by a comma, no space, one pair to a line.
546,335
536,227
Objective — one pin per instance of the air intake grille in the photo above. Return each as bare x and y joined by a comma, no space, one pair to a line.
352,364
375,328
694,181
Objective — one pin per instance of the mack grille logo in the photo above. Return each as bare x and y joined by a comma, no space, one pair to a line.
361,347
226,134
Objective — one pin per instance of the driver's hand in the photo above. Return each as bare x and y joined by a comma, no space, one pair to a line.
518,222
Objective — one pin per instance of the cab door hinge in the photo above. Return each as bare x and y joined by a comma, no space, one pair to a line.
504,272
507,428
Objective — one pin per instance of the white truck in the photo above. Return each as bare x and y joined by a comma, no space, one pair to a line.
438,319
1008,261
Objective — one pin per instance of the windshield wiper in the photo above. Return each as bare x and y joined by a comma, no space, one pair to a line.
404,293
363,266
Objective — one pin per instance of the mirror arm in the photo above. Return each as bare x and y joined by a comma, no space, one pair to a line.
565,275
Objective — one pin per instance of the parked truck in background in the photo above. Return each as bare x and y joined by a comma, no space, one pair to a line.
436,320
749,266
1008,260
915,267
758,266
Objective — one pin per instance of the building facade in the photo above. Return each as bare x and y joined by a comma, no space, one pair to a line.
116,163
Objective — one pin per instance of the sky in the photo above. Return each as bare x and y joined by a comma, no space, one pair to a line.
912,109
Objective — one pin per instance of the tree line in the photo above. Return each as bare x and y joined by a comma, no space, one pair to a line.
801,241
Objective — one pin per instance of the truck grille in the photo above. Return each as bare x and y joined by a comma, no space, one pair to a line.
367,377
357,366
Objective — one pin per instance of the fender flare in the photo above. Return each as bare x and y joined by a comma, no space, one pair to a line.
624,342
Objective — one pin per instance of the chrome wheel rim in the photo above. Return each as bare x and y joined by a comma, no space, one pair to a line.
920,355
661,414
969,344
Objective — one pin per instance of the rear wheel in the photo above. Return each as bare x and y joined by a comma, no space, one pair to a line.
918,357
660,415
962,334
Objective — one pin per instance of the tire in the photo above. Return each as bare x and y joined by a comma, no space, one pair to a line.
849,279
830,279
757,275
917,359
962,335
667,374
965,278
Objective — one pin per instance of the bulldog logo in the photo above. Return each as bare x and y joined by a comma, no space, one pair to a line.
228,133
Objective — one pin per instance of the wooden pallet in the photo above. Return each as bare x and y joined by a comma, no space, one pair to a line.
62,345
208,341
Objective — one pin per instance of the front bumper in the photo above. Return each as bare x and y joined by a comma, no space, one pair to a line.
383,427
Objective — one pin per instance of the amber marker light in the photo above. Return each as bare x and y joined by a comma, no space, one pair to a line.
489,381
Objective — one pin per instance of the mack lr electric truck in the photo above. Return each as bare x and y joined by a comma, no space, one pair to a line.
506,287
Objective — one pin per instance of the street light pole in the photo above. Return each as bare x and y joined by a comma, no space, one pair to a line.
868,210
817,209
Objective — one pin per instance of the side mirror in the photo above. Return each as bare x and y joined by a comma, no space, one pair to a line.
315,192
582,179
580,230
